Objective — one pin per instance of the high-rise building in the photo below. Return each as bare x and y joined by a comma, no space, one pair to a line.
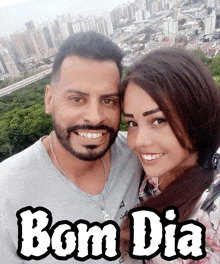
172,3
101,25
39,43
143,5
3,42
108,22
170,27
138,4
20,45
49,35
131,11
62,28
122,12
76,26
164,4
30,25
9,63
139,15
210,3
154,7
210,23
7,44
92,23
115,17
149,3
70,27
146,15
85,25
3,69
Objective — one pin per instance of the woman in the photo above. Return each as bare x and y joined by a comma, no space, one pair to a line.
172,108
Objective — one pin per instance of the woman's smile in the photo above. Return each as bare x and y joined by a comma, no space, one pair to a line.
150,157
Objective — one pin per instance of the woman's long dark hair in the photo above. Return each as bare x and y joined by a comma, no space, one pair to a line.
184,90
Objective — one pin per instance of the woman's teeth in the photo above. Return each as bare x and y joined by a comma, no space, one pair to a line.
150,157
90,135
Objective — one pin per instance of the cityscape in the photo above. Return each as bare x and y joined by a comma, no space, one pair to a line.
137,27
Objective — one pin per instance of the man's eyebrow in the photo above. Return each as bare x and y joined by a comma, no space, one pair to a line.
145,113
151,112
87,94
76,91
109,95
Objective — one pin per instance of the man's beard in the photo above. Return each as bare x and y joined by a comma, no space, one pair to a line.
63,136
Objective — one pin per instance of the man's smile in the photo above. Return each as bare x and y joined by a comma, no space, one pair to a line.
90,135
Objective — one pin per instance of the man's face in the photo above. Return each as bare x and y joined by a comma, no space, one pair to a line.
85,106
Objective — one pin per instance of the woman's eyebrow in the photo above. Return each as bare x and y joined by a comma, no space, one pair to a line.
151,112
128,115
145,113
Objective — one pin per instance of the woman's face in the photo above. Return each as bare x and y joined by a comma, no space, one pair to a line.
151,137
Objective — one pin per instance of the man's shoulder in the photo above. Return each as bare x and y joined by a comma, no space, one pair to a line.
126,168
121,139
22,172
21,160
121,149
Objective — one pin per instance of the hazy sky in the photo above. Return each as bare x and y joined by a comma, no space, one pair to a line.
10,2
14,13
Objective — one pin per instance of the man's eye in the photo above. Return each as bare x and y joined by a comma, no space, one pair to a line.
76,99
131,124
158,121
107,101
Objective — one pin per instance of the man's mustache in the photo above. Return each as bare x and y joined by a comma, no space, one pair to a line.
90,127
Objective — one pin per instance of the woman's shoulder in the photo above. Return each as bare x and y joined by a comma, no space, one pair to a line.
209,203
148,188
213,193
211,196
209,216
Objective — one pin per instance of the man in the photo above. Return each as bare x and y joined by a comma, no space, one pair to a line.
82,170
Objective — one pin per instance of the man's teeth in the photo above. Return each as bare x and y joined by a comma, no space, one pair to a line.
90,135
151,157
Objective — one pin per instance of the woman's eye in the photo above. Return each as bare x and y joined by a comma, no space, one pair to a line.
131,124
158,121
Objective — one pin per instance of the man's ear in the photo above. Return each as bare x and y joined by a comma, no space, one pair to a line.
48,99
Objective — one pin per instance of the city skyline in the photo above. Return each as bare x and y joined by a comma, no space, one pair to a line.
14,15
137,27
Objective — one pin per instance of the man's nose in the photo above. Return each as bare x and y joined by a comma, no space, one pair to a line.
94,114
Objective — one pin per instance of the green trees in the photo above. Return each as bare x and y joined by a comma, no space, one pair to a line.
20,128
214,66
47,61
124,72
123,125
201,55
23,119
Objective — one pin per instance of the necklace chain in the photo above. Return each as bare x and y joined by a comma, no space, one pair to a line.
106,216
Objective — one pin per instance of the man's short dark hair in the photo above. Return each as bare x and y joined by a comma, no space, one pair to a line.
91,45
